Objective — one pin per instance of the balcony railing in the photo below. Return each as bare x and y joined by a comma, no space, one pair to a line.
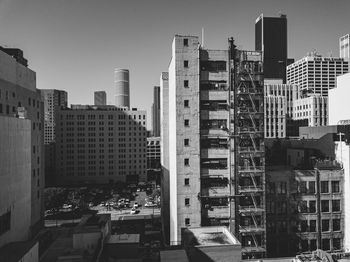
250,189
215,191
251,228
251,208
251,168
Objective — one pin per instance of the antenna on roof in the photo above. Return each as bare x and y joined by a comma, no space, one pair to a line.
203,37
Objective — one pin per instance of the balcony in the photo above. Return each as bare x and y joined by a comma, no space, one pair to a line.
251,208
251,229
216,191
218,212
250,189
249,169
214,114
206,172
214,152
251,149
214,94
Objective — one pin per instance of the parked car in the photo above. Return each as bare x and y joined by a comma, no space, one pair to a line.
136,205
149,204
134,211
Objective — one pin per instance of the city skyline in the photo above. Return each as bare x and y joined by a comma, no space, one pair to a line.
83,49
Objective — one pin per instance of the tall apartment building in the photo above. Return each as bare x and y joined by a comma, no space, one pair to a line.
271,38
344,48
53,101
316,75
19,97
153,152
279,109
156,112
216,155
122,87
100,144
100,98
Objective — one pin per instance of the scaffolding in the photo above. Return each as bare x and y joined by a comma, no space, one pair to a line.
247,144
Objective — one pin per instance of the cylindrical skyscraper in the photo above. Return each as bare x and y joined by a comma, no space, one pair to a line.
122,89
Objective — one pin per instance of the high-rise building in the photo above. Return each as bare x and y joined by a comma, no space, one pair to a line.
122,88
100,144
278,109
344,47
20,98
316,75
216,149
153,152
100,98
156,112
53,100
271,38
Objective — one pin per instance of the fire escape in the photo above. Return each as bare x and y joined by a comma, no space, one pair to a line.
247,145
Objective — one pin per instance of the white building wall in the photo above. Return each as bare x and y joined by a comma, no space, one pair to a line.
339,107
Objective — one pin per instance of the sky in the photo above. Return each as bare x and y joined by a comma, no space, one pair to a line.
74,45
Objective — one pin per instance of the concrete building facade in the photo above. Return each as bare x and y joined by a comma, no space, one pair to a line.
19,97
316,75
153,152
338,100
314,109
122,87
215,113
100,98
100,144
53,101
344,47
15,179
156,112
278,109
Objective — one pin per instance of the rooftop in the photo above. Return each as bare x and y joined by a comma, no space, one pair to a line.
124,239
173,256
14,252
210,236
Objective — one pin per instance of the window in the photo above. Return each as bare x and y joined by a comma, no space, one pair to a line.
312,226
186,161
186,142
5,222
187,181
325,244
186,83
324,187
313,244
187,201
187,122
325,225
312,187
324,206
186,103
336,243
336,224
335,187
186,63
185,41
187,222
302,187
336,205
312,206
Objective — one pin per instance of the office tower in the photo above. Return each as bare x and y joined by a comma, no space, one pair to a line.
122,88
100,144
100,98
316,75
156,112
339,99
216,148
278,109
271,38
344,48
53,100
153,152
20,98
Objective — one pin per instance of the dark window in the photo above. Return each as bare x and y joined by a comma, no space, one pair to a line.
5,222
312,226
325,225
312,206
186,104
186,63
187,122
325,244
336,243
187,181
187,221
336,205
186,162
0,108
335,187
185,42
7,109
312,189
186,142
185,83
313,244
324,187
336,224
302,187
324,205
187,201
